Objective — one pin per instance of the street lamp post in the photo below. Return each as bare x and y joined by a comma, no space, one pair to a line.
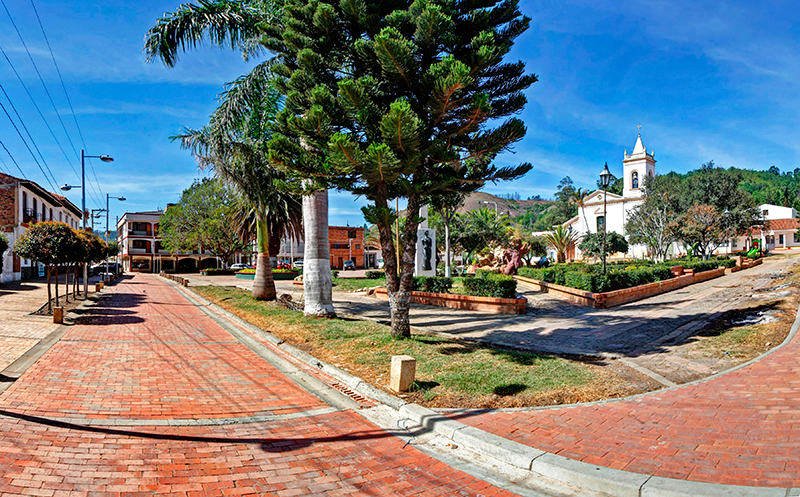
95,216
605,180
495,206
121,199
104,158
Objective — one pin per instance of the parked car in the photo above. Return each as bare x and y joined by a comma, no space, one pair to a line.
101,268
298,264
239,266
349,266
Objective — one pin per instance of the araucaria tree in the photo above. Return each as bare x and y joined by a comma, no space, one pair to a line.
398,99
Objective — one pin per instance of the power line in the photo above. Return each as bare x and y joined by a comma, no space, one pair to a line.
12,159
33,101
49,96
64,87
19,118
28,147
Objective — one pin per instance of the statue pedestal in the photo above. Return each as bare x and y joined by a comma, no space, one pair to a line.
425,262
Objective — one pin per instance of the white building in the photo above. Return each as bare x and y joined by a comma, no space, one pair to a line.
23,203
635,167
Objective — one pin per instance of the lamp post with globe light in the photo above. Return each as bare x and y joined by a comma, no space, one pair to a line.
66,188
605,180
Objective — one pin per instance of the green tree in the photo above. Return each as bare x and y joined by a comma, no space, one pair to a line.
592,244
203,217
652,222
388,100
564,207
51,244
480,229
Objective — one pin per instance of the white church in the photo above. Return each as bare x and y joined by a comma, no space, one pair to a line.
635,167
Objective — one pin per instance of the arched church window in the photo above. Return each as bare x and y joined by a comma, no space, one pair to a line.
650,173
634,180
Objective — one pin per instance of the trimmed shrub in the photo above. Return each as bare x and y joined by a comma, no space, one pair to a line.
374,275
486,284
334,273
218,272
432,284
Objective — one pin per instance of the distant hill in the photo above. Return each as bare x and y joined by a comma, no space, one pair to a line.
514,208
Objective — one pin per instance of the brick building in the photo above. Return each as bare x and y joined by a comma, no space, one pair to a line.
346,244
23,203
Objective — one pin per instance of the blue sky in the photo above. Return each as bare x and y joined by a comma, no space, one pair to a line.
708,80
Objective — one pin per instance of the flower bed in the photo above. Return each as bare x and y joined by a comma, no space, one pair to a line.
277,274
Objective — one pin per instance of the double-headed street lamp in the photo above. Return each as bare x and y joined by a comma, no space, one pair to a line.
605,180
66,188
495,205
121,199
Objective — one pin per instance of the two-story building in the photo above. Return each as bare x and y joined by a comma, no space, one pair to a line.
346,244
141,249
23,203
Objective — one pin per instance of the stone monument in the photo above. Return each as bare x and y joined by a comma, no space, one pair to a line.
425,262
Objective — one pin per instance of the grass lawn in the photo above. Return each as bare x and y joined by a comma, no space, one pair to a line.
345,284
450,373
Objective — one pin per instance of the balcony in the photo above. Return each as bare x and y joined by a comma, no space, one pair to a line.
138,251
30,216
138,233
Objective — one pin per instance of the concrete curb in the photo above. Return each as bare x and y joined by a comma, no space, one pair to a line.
557,472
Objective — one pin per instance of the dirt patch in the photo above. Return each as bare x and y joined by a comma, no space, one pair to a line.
68,306
737,336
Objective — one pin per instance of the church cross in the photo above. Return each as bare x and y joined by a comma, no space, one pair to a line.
640,129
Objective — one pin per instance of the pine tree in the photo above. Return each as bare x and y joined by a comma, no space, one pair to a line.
394,98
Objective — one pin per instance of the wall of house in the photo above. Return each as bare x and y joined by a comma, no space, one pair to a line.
343,249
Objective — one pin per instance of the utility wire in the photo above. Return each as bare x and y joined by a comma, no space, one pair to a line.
66,94
49,96
5,168
12,159
33,100
19,118
28,147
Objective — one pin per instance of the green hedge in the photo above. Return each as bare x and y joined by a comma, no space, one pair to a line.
432,284
334,273
374,275
486,284
218,272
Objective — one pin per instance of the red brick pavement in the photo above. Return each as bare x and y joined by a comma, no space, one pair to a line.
742,428
147,354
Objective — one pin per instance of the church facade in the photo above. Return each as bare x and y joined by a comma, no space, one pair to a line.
636,166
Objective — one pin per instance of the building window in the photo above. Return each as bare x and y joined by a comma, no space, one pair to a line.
634,180
51,214
60,216
765,212
796,238
734,244
358,246
601,221
650,173
35,208
351,233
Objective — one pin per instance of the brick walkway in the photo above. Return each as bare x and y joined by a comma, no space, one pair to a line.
18,330
741,428
90,416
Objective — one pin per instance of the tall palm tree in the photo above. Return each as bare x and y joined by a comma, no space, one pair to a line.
237,152
238,25
578,199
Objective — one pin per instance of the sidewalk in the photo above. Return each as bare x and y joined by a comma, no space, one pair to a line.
149,393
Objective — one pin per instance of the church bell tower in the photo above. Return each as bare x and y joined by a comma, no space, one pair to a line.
636,166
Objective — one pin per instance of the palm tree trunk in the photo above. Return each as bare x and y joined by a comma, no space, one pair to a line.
263,283
317,281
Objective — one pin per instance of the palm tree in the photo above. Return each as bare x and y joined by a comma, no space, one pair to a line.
561,238
578,199
237,25
238,154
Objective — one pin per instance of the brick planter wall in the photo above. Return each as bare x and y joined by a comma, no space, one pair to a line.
466,302
626,295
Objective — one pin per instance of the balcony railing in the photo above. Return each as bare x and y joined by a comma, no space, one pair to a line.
137,250
138,233
30,216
